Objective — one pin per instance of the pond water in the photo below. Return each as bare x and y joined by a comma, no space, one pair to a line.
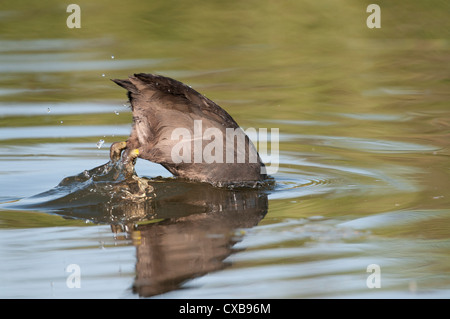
364,151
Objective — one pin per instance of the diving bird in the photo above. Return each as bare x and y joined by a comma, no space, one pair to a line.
187,133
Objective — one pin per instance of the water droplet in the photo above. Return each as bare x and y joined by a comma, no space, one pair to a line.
100,143
116,112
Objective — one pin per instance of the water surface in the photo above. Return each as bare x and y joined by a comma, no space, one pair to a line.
364,121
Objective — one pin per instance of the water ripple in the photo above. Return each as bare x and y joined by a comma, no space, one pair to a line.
62,131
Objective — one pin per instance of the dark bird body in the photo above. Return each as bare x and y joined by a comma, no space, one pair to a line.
160,105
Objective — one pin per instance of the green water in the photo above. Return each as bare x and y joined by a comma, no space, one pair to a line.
364,166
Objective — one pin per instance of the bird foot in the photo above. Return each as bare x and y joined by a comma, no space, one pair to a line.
128,158
116,150
128,161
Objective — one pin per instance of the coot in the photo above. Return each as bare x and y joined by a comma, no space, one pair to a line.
187,133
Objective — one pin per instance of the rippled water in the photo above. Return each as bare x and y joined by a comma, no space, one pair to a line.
363,179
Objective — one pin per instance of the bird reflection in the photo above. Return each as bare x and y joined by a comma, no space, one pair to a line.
196,240
181,229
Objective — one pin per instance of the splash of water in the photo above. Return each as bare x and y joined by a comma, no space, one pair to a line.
100,143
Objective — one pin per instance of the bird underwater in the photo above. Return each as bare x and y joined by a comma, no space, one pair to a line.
161,106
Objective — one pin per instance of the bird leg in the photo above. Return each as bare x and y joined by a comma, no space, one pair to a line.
128,157
116,150
129,161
